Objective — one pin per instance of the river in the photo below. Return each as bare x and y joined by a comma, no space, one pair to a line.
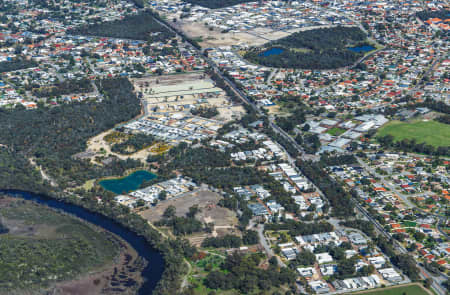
151,273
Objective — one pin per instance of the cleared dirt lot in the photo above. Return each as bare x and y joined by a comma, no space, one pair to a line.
224,220
216,38
206,201
174,93
97,146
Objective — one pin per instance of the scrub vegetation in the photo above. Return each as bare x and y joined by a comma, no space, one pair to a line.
320,49
142,26
45,246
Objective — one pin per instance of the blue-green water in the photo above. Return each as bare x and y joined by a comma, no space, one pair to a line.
127,184
364,48
272,51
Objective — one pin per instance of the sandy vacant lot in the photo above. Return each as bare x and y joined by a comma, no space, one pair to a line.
256,37
97,146
216,38
207,202
174,93
224,219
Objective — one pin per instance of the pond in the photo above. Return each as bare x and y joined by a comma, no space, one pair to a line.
127,184
364,48
151,273
272,51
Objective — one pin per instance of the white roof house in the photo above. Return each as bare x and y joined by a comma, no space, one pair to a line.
323,258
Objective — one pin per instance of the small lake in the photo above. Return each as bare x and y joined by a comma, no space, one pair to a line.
127,184
272,51
151,273
364,48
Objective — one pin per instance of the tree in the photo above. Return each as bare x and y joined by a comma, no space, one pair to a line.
446,284
366,270
216,280
140,203
137,26
227,241
250,237
162,195
419,236
407,264
273,261
346,267
305,257
320,54
399,237
306,127
427,283
169,212
193,210
53,137
337,253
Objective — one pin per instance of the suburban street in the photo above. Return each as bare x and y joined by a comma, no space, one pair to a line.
436,281
234,146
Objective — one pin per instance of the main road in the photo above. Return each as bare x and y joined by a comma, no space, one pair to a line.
238,91
437,280
424,273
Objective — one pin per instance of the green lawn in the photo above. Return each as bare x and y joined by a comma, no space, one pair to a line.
214,260
335,131
408,290
409,223
430,132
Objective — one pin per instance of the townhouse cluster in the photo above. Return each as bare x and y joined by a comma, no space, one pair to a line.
166,190
176,127
337,135
325,265
293,182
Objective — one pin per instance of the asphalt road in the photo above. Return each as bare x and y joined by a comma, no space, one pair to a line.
403,196
263,242
436,281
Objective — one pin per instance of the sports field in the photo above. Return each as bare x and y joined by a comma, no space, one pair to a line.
430,132
409,290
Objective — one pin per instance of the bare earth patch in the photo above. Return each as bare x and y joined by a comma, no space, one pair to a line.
98,146
224,220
